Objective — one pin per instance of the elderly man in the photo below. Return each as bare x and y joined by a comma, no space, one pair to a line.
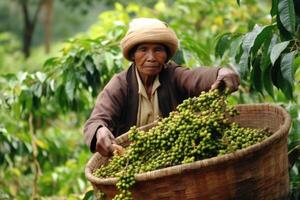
151,87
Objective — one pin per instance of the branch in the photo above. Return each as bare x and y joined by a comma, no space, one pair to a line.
25,12
36,163
24,6
36,14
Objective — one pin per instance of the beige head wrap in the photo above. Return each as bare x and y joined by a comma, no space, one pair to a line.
143,30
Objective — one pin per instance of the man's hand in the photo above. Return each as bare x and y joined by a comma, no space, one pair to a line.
228,79
105,139
118,150
106,144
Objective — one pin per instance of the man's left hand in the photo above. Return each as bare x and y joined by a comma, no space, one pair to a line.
227,78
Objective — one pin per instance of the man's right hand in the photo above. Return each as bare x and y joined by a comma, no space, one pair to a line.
105,139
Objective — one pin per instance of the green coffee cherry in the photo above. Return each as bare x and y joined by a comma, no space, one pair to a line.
198,129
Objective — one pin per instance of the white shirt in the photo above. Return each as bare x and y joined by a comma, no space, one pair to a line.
148,109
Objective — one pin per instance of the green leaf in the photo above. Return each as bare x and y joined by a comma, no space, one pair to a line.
274,9
287,14
296,62
70,88
36,102
26,100
37,89
41,144
263,35
280,82
22,76
235,45
203,53
41,76
223,44
276,75
284,34
239,53
109,58
266,51
244,62
257,75
277,50
247,45
52,85
273,42
51,62
61,96
89,65
286,67
265,64
228,42
89,195
4,131
200,50
267,80
238,2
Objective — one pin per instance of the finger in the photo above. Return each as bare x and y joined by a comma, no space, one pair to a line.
102,150
236,82
215,85
107,144
103,145
118,150
220,85
229,84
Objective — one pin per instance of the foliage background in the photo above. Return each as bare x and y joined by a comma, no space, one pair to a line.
46,98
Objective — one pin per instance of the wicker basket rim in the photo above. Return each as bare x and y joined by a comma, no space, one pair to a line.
209,162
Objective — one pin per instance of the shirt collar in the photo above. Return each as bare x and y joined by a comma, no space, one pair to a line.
141,87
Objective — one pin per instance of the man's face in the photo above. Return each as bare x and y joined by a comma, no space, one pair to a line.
150,58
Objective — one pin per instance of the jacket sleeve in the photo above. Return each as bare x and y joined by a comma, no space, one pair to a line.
194,81
107,110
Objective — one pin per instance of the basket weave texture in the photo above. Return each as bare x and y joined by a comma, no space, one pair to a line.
255,173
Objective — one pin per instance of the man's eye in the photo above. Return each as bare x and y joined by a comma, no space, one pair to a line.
142,49
159,49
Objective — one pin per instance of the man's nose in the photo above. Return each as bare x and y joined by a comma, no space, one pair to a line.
150,56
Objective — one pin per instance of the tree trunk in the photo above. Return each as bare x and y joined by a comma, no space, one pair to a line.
48,19
27,32
29,25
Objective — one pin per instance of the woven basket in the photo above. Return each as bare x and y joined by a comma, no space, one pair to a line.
256,172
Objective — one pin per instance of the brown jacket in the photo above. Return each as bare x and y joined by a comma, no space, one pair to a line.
117,105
